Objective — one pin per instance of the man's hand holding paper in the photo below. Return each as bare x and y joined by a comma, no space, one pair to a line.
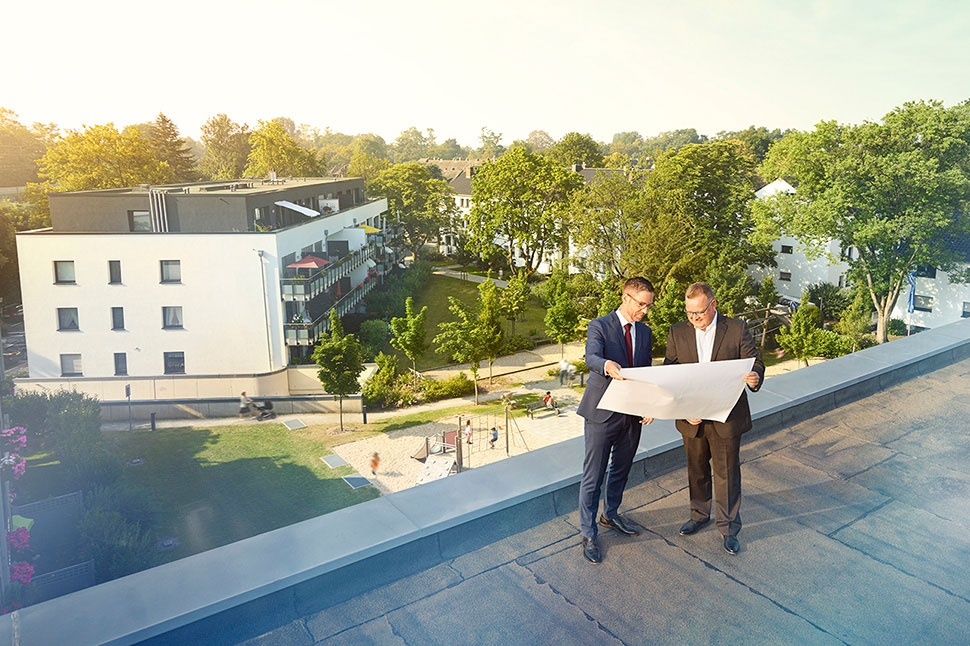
680,391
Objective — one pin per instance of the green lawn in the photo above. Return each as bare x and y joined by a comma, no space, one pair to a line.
435,296
222,484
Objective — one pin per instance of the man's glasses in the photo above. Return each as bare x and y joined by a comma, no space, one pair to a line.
702,312
640,304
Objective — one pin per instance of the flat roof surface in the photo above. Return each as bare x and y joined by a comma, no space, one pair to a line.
856,531
224,187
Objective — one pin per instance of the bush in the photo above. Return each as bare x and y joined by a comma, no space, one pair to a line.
381,388
135,504
117,547
831,345
897,327
518,343
830,299
457,386
432,254
373,334
581,366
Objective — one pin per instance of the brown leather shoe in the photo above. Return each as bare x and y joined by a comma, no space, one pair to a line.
590,551
619,525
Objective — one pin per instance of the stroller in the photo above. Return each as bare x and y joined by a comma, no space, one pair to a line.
264,410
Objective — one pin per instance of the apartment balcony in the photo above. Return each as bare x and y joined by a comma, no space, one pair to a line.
303,288
308,333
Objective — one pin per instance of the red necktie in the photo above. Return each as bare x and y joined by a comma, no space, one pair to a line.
629,345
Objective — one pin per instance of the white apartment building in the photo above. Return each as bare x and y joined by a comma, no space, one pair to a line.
937,300
194,281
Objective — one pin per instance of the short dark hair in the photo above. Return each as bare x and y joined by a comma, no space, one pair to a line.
700,288
638,284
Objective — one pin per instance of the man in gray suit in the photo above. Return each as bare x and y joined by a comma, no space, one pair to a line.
708,336
617,340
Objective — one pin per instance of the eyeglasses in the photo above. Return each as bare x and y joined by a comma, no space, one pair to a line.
702,312
640,304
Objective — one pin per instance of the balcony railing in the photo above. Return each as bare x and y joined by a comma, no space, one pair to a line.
309,333
303,288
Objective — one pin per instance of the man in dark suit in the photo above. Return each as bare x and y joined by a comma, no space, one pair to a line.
708,336
617,340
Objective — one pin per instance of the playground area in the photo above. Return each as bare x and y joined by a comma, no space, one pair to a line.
414,455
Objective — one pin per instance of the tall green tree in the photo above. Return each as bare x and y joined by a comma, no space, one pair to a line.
521,199
20,148
459,338
515,299
367,166
408,334
667,310
226,148
671,141
577,148
421,204
758,139
562,321
171,149
490,323
855,322
340,360
102,157
275,150
412,145
896,191
767,298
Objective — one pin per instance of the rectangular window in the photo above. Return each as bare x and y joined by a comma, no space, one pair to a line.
172,318
786,248
64,272
171,271
67,318
923,303
114,272
923,271
121,363
117,318
71,365
966,310
139,221
785,276
174,363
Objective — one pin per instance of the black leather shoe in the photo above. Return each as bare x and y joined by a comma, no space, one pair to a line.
731,545
590,552
691,526
619,525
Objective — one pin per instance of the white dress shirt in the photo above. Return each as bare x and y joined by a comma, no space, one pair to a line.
705,341
633,329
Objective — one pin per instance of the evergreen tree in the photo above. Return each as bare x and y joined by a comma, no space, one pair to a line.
802,338
171,149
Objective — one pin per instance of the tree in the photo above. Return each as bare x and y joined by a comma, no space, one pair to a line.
408,334
20,148
628,144
172,150
373,334
489,323
856,320
767,298
274,150
226,148
616,160
14,217
521,199
801,339
449,149
731,284
490,144
896,191
831,300
421,203
539,140
341,362
515,299
459,338
562,321
412,145
576,148
367,166
101,157
667,310
671,141
381,385
758,139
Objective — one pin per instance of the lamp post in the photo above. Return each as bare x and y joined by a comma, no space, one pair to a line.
6,463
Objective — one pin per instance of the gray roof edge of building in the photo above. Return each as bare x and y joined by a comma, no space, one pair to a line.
262,181
377,525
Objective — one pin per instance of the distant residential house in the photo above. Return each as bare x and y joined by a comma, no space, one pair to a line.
205,280
938,301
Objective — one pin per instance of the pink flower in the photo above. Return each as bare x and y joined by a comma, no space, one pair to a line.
14,437
19,539
21,572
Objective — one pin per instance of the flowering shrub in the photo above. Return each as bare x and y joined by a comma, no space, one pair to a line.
19,539
18,464
21,572
13,438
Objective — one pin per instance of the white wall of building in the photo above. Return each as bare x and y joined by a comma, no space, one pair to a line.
950,302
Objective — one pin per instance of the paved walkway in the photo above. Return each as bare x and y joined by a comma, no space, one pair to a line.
464,275
856,531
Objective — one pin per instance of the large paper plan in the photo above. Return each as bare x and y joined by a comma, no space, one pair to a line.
679,391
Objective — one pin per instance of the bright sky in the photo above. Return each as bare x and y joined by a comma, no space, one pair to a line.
600,66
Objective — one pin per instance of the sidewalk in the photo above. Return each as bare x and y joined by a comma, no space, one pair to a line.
464,275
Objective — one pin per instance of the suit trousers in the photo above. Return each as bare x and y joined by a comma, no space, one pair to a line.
724,453
610,444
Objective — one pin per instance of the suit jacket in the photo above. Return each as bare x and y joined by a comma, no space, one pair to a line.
606,341
732,340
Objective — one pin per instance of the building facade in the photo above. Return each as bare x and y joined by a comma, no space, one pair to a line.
195,280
